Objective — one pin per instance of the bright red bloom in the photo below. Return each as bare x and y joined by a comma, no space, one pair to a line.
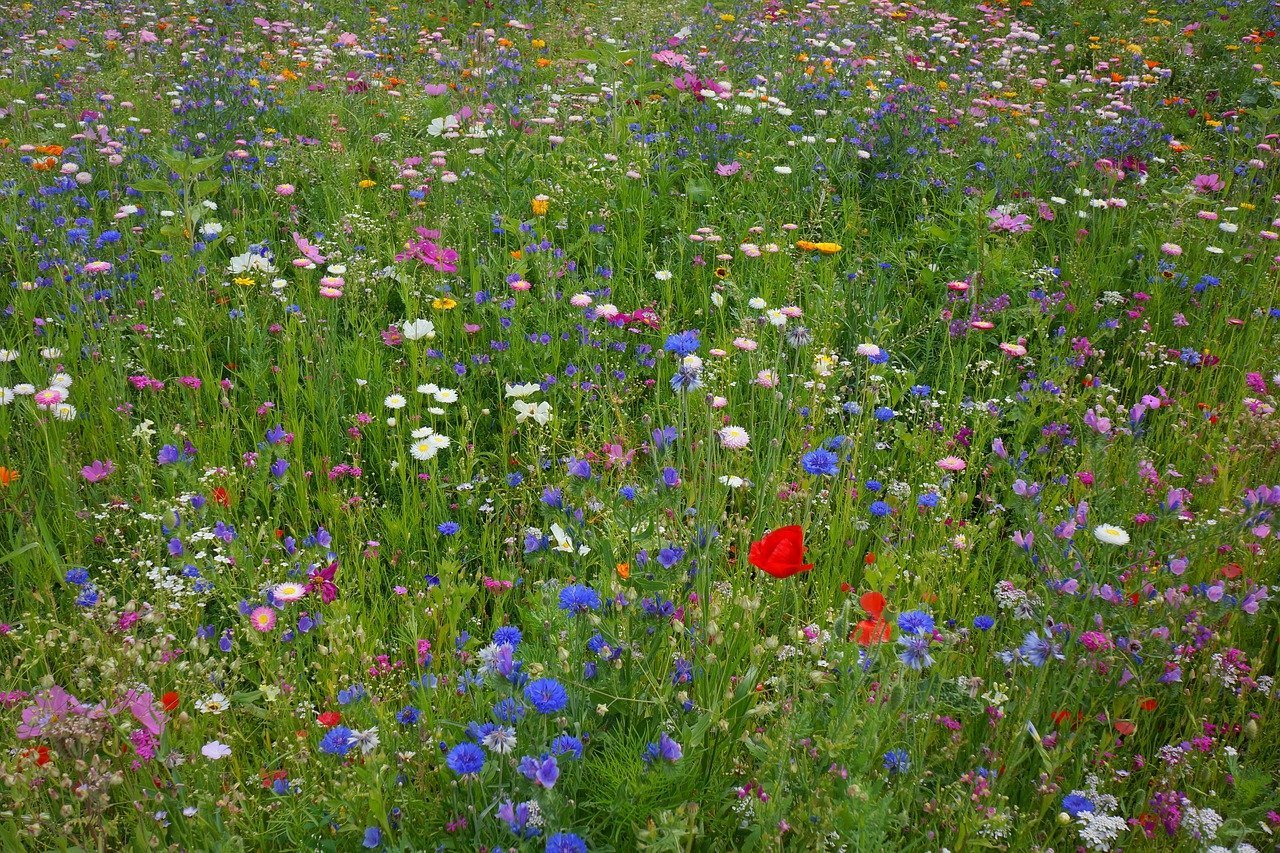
876,629
781,552
221,497
1148,704
329,719
169,701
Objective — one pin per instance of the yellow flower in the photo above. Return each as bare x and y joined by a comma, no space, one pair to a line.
444,303
366,184
540,204
827,248
243,280
538,44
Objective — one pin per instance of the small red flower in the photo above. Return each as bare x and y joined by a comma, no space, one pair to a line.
1125,727
1148,704
329,719
220,496
781,552
169,701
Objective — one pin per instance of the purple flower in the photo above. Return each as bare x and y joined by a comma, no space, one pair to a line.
665,749
542,771
98,471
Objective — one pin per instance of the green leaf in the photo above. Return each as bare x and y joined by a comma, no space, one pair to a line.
153,185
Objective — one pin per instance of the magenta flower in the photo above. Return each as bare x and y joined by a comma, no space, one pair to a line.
321,581
425,250
49,706
1207,183
98,471
1001,221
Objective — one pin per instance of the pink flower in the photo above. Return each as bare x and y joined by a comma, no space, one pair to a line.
953,464
98,471
1010,224
1207,183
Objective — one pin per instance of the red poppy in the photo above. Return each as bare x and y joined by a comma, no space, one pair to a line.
1231,570
1125,727
780,553
329,719
42,756
1148,704
876,629
221,497
169,701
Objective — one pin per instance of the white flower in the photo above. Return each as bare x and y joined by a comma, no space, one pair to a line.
540,412
215,704
446,395
782,170
7,355
64,412
24,389
395,401
210,230
429,388
367,740
868,350
1111,534
417,329
60,380
523,390
734,438
7,396
734,482
51,353
663,275
442,125
564,543
422,432
422,450
776,317
215,749
757,303
501,740
290,591
438,441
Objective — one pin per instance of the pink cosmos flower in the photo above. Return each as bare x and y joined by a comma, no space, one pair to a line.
1207,183
98,471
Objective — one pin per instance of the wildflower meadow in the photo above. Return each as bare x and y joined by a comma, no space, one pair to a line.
639,426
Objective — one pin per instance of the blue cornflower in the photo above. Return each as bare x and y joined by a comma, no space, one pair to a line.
373,837
508,710
565,842
567,745
683,343
915,650
883,414
983,623
915,622
1076,805
897,761
448,528
928,500
78,576
508,635
515,479
879,509
465,759
1039,650
546,695
408,715
337,741
577,598
820,463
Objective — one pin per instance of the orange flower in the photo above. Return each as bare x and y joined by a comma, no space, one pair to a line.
1148,704
8,476
624,571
